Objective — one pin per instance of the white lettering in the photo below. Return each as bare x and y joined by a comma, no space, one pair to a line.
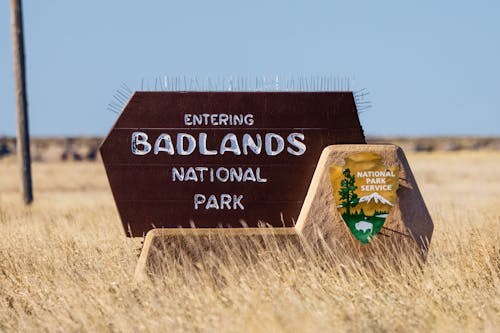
201,170
177,175
219,119
197,119
213,119
220,177
364,174
237,119
203,145
249,176
234,146
220,174
180,144
251,144
212,203
140,138
249,119
236,174
259,178
375,180
198,200
237,202
248,142
225,201
191,175
223,118
293,140
369,188
269,144
168,147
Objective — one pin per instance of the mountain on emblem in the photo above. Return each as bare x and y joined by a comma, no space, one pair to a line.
376,197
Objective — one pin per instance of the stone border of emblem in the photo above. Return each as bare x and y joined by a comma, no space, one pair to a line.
364,196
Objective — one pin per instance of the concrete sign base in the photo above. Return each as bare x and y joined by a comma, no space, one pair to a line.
363,197
211,246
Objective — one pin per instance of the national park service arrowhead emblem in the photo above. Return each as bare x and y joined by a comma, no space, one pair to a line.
365,192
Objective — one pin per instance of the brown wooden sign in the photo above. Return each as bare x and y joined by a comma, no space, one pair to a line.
230,159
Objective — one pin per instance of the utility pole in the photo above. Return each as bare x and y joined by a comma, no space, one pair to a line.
23,136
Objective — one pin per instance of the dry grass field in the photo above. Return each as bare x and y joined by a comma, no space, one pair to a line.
66,266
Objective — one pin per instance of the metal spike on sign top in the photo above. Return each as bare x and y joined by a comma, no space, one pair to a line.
241,84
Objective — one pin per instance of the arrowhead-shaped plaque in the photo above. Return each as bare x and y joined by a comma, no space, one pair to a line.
365,192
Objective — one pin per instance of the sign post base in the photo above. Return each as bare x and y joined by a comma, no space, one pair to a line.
363,197
164,248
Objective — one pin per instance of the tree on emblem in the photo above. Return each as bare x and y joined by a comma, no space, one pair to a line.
346,192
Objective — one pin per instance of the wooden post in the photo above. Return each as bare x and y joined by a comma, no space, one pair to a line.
23,139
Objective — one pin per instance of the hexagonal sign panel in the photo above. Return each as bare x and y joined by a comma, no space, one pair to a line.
221,159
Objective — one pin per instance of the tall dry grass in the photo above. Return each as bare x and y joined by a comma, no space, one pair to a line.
65,266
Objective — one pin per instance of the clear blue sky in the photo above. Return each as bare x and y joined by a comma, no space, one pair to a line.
432,67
